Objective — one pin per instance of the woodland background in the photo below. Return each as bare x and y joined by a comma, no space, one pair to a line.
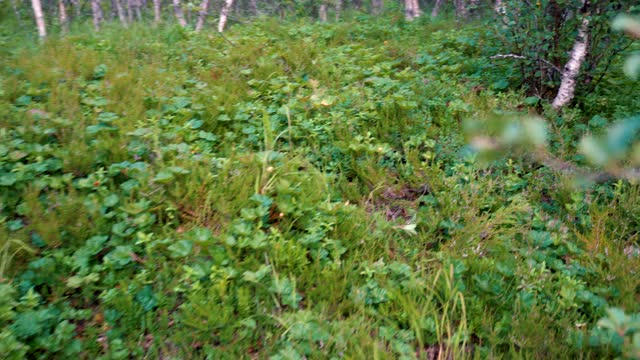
319,179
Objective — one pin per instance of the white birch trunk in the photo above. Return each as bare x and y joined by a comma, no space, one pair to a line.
157,11
137,5
76,7
436,8
501,10
339,5
416,9
64,19
377,7
40,24
408,10
461,8
202,14
112,10
223,14
120,10
572,68
253,7
177,8
322,12
129,11
96,10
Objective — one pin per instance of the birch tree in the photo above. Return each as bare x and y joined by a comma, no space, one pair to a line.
120,11
322,11
572,68
137,4
62,13
129,11
76,7
202,14
499,7
253,7
411,9
177,8
461,8
376,7
39,16
416,9
339,4
408,10
157,8
436,8
96,11
224,13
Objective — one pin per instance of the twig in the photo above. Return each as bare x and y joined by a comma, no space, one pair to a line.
544,157
556,164
226,38
520,57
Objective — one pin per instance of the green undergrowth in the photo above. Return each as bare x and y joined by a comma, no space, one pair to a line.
292,191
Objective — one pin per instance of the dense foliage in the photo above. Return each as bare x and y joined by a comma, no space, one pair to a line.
298,191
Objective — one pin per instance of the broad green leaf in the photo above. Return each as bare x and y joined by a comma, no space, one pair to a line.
181,248
164,177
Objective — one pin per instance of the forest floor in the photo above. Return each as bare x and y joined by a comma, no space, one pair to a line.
296,191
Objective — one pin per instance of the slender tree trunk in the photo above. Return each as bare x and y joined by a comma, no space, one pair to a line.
461,8
322,11
224,13
97,14
339,5
376,7
157,11
253,7
416,9
40,24
137,4
129,11
76,8
120,11
202,14
64,19
177,8
436,8
408,10
572,68
113,10
501,10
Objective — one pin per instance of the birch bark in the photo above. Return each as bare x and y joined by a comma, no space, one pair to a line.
436,8
157,8
177,8
120,10
322,12
224,13
376,7
202,14
408,10
64,19
96,11
571,70
416,9
40,24
339,5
